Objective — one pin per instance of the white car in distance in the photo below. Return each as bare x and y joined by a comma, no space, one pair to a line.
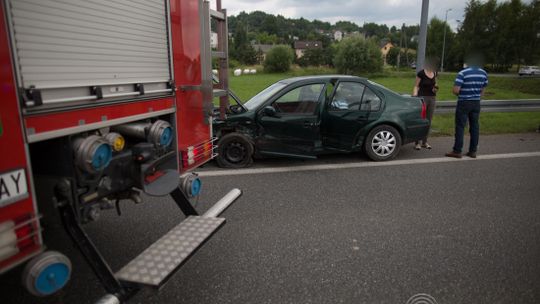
529,70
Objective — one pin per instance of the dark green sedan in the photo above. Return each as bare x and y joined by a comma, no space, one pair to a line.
309,116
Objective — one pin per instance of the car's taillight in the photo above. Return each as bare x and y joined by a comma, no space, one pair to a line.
423,113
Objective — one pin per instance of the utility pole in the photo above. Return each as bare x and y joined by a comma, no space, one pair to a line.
444,38
399,53
422,38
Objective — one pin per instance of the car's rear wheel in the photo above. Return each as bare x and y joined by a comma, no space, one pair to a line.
234,151
382,143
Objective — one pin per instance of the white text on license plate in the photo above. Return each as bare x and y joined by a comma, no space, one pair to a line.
13,187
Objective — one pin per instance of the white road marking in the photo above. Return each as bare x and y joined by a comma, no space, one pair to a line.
364,164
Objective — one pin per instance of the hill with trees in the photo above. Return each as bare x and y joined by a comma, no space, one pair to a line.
506,32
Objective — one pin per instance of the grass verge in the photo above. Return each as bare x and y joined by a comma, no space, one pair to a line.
503,88
491,123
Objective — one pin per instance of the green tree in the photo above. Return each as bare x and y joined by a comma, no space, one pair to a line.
373,29
317,57
356,55
435,42
278,59
505,32
392,56
347,26
242,49
531,25
266,38
246,54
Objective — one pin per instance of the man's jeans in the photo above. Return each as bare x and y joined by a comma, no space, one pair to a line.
467,110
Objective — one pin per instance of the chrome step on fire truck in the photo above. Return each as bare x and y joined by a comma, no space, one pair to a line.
101,101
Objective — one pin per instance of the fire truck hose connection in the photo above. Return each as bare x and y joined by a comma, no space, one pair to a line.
159,133
190,184
116,141
93,153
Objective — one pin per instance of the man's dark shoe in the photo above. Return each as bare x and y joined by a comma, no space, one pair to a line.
453,154
471,154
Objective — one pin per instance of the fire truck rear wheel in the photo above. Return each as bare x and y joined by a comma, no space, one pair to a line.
235,150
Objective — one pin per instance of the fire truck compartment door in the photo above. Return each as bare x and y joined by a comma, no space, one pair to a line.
79,51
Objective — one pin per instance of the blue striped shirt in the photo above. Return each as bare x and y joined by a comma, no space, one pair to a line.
471,80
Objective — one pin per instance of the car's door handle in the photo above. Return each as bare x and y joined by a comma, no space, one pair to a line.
362,118
308,124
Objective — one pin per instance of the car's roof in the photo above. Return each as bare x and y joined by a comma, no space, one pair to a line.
320,77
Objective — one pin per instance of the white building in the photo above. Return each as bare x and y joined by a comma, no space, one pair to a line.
338,35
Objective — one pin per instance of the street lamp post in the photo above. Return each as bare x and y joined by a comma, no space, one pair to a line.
422,37
444,38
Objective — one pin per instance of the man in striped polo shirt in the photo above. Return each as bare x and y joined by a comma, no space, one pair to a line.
469,87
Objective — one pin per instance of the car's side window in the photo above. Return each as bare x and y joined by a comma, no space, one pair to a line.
301,100
348,97
370,101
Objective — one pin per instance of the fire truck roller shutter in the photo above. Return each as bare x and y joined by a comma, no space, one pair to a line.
76,51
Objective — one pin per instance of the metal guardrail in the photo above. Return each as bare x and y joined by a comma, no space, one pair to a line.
500,106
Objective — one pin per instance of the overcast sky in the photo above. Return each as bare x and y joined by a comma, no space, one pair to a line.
389,12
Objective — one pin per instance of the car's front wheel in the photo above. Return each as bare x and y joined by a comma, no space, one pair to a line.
382,143
234,151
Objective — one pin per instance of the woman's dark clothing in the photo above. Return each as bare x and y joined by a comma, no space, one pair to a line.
425,88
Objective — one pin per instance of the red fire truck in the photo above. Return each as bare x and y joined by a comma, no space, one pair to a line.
103,101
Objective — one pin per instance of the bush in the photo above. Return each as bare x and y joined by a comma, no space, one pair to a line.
245,54
356,55
278,59
317,57
233,64
391,57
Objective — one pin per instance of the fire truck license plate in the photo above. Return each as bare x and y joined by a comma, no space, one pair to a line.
12,187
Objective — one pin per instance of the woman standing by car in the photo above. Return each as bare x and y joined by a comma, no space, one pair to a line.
426,88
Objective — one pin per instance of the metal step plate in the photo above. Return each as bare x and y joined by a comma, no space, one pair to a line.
154,265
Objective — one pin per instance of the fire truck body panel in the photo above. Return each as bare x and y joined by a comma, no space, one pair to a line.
193,81
18,208
72,65
102,99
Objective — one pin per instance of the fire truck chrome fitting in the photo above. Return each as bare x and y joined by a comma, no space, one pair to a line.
92,154
47,273
116,141
108,299
160,134
190,184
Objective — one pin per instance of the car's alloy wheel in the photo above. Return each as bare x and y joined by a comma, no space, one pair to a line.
382,143
234,151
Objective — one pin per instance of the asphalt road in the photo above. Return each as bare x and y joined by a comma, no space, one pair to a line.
462,232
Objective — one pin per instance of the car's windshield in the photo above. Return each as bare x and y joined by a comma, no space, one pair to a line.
260,98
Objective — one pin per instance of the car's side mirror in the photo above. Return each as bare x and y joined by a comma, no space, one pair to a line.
270,111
